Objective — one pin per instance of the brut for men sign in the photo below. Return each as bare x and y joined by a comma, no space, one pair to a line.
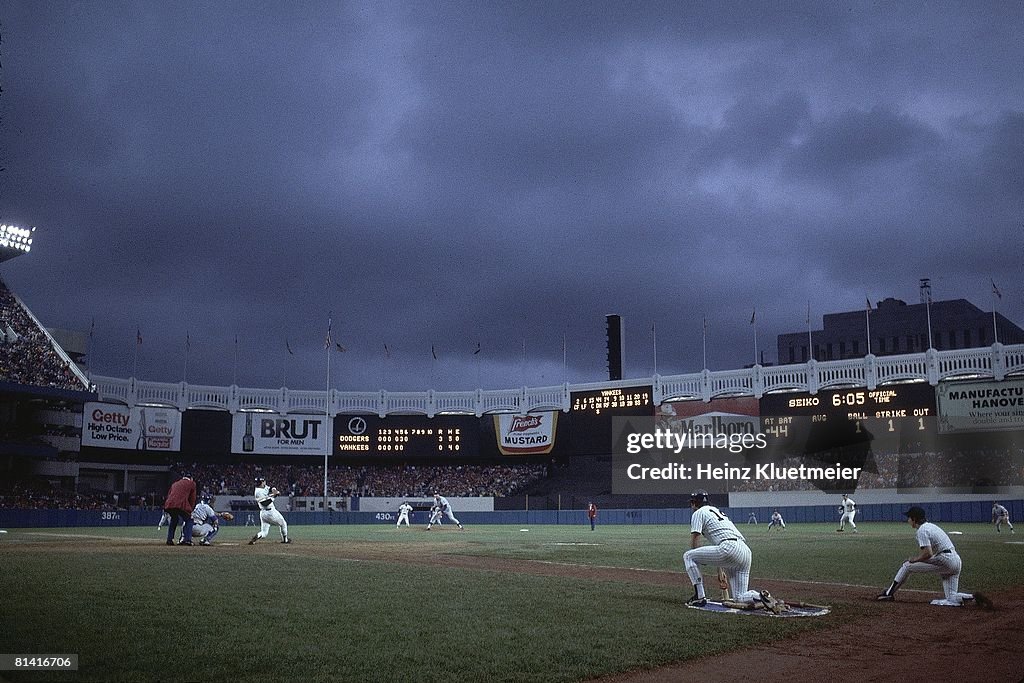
981,406
530,434
273,434
142,428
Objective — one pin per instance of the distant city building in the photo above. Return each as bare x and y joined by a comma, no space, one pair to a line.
898,327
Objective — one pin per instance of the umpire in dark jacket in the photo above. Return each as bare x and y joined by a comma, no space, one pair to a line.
181,500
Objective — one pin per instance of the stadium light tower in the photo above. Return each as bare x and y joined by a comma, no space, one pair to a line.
14,241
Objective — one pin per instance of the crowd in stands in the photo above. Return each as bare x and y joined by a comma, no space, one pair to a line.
34,494
26,354
926,469
387,481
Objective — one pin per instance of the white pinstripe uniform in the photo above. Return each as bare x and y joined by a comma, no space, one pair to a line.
849,512
944,561
727,548
269,514
444,508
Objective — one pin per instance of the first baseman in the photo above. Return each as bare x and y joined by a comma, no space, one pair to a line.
849,510
726,549
1000,516
937,556
268,513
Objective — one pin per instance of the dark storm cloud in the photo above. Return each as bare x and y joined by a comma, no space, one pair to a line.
450,174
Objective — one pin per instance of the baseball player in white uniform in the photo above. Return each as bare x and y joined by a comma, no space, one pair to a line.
444,509
937,556
1000,516
726,548
205,522
777,521
403,513
265,496
849,510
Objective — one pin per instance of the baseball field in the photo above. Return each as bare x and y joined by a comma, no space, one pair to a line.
495,603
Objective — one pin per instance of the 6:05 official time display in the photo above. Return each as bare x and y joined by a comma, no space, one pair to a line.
406,435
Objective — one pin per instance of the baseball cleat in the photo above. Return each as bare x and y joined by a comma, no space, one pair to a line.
170,542
885,597
697,602
204,542
286,540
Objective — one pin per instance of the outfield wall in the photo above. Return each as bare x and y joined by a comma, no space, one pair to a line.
958,512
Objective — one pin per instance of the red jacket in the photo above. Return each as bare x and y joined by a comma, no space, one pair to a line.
182,496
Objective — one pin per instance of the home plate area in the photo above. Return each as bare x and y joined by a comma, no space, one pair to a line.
788,609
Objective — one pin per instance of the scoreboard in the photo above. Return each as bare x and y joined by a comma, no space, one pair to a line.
591,413
888,416
407,435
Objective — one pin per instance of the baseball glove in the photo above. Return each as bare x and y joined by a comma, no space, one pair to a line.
226,516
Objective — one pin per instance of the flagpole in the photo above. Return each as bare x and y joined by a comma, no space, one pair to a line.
476,355
995,294
327,409
654,335
188,346
867,321
753,321
138,343
565,370
705,343
234,364
810,345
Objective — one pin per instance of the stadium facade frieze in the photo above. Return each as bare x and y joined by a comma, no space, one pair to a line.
996,362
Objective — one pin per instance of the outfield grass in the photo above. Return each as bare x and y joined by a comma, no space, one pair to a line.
136,610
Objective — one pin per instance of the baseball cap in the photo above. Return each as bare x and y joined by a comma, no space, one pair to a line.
915,513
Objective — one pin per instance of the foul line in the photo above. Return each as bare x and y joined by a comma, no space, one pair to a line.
678,573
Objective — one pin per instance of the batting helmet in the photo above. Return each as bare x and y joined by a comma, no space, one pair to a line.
699,498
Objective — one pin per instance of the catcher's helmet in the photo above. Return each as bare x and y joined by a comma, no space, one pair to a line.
261,480
205,498
699,498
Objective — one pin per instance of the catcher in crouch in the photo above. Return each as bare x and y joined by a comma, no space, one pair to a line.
726,548
206,522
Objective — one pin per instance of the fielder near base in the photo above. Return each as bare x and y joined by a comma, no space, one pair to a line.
726,549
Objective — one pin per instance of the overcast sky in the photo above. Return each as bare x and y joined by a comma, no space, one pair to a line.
501,174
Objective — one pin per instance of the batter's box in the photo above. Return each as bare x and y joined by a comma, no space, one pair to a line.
791,609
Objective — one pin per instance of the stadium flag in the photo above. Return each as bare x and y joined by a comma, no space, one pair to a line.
289,348
433,352
387,351
477,349
138,337
92,328
339,348
188,342
995,290
327,343
753,317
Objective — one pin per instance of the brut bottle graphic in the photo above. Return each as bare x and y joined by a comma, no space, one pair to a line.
141,443
248,443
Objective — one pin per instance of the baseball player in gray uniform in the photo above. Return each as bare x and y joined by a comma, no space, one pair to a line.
937,556
444,509
1000,516
849,510
265,496
726,548
205,523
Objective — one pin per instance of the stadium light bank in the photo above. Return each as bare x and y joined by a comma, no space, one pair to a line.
18,239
